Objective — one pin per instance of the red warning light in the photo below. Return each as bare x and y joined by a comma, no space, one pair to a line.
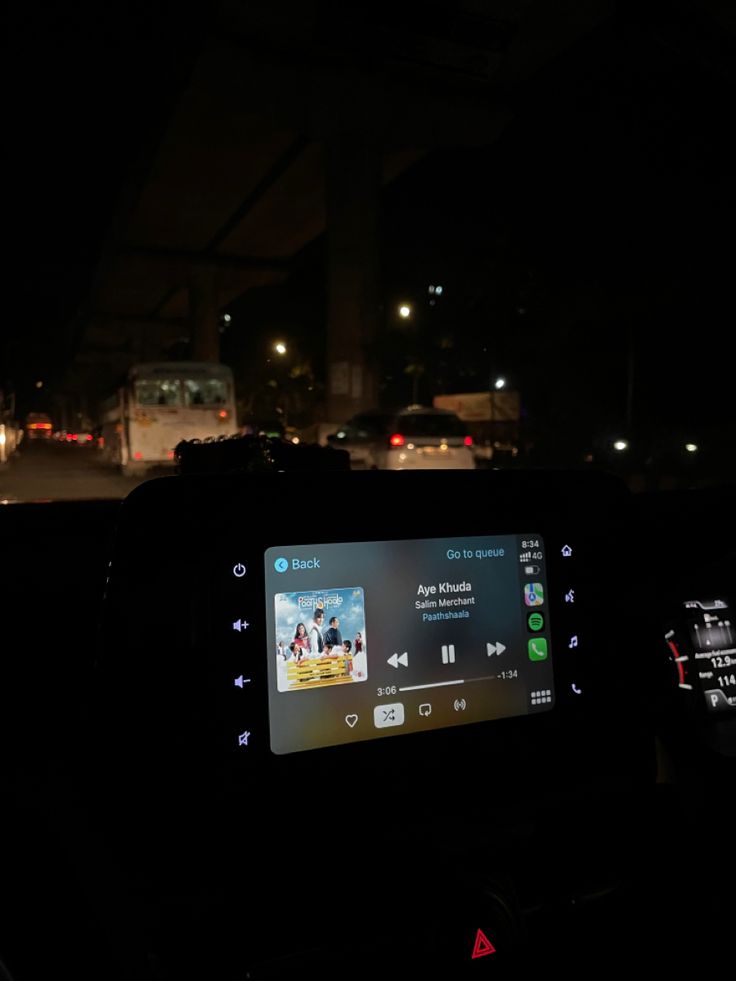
482,946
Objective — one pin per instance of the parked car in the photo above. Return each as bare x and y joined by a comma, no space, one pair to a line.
414,438
39,426
84,438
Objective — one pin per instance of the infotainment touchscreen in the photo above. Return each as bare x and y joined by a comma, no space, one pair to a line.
374,639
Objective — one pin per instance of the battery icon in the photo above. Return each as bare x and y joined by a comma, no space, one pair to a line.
531,570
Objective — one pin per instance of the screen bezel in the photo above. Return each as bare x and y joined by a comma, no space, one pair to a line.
581,738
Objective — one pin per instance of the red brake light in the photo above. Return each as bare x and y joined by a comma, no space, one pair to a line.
89,438
223,414
137,455
68,437
468,441
74,437
397,440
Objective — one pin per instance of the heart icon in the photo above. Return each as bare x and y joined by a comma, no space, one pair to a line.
351,720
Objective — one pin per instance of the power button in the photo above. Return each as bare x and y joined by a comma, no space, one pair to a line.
238,570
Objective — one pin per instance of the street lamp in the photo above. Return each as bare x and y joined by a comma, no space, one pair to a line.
405,311
279,347
499,384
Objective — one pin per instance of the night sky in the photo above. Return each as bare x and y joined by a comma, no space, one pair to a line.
599,227
604,217
86,90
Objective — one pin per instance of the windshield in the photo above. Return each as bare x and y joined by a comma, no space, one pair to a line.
420,424
211,391
159,391
522,222
169,391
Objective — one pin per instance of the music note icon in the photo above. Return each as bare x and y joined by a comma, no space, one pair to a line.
573,641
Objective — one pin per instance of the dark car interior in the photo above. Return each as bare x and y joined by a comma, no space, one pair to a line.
265,718
503,790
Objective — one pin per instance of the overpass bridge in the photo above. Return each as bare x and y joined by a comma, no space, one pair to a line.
293,118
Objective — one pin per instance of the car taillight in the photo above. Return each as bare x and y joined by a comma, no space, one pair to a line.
468,441
137,455
223,414
397,440
89,438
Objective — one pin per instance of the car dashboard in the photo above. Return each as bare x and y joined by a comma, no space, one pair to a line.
522,757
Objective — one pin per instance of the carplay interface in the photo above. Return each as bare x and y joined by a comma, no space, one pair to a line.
374,639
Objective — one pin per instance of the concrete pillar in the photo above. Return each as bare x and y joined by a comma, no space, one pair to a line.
203,314
353,176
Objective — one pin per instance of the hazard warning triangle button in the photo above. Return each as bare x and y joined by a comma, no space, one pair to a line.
482,946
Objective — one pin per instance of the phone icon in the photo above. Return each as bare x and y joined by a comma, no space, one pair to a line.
537,649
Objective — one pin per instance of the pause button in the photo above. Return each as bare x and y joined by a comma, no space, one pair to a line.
448,653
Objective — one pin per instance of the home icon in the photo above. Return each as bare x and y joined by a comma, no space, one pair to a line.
566,551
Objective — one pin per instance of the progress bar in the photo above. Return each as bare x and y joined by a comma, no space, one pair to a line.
444,684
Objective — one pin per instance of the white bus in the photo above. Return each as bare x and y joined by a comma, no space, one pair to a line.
161,404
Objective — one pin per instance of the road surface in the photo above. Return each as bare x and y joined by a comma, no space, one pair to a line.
61,472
